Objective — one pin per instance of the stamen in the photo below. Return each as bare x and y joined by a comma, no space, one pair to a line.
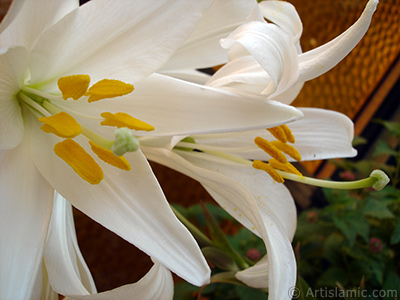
121,119
288,133
288,149
278,133
259,165
288,167
61,124
270,149
109,157
80,161
108,88
73,86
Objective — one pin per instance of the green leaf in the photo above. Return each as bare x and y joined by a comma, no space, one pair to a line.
219,258
221,241
395,238
352,224
393,127
302,290
184,291
332,276
391,287
383,148
376,209
247,293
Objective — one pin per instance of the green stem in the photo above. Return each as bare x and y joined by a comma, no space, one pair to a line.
200,237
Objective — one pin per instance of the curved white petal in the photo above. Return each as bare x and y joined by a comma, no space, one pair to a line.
315,62
321,134
13,67
271,198
67,271
235,197
157,284
188,75
126,40
257,275
284,15
31,17
25,208
131,204
273,49
287,97
175,107
202,48
243,76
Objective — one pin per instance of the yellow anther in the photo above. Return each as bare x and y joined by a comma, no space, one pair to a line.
278,133
74,86
108,88
61,124
82,163
288,149
259,165
288,133
288,167
121,119
270,149
109,157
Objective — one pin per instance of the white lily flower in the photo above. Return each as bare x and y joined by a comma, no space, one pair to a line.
262,60
223,165
45,50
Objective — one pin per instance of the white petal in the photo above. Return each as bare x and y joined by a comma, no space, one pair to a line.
175,107
284,15
273,49
126,40
25,207
202,48
320,60
131,204
271,197
321,134
31,17
229,192
242,76
257,275
157,284
188,75
67,271
13,67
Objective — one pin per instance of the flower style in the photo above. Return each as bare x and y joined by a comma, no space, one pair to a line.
53,52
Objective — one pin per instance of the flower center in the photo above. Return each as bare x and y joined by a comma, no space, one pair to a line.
62,121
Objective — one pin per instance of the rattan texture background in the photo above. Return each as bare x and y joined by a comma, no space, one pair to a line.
347,86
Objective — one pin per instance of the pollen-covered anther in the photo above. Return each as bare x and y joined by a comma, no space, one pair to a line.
269,148
73,86
80,161
289,135
288,149
121,119
108,88
278,133
61,124
259,165
288,167
109,157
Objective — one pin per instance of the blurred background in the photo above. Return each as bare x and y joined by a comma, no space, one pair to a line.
364,86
